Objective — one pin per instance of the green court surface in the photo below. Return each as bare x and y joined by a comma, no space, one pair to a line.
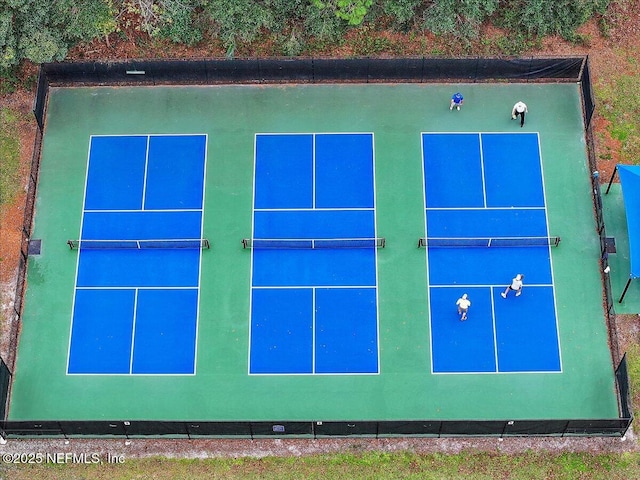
405,388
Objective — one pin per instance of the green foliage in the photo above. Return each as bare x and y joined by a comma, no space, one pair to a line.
239,20
88,19
292,45
10,155
352,11
323,25
461,18
548,17
402,12
44,30
176,21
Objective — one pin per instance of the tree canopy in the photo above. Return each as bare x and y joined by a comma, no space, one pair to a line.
44,30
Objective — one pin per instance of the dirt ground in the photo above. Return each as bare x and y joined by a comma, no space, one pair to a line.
607,58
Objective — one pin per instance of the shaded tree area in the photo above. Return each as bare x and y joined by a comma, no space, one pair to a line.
45,30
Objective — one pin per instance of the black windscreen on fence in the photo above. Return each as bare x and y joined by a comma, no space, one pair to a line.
5,384
622,377
587,93
313,70
310,429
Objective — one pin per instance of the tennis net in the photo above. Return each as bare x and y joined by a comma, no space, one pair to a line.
321,243
490,242
138,244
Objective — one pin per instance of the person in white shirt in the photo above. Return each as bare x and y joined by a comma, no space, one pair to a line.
519,109
463,304
516,286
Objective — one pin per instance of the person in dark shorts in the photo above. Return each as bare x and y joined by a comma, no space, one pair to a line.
463,304
518,110
516,286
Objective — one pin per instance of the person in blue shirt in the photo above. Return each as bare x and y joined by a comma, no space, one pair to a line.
456,101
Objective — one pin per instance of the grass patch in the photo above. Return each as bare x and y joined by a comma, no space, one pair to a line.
633,367
619,100
378,465
10,156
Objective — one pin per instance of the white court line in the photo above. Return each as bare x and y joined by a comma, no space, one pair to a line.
253,227
546,215
495,330
313,330
375,226
130,287
133,329
314,209
148,210
426,253
313,171
484,181
146,170
488,285
516,372
483,208
198,294
293,287
75,281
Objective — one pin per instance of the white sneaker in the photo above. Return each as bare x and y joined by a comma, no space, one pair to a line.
458,108
518,294
451,107
503,295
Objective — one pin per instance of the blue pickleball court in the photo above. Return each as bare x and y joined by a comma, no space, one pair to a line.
488,185
314,311
135,310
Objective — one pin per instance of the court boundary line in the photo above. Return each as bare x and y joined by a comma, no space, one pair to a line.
200,254
482,172
313,287
148,210
136,288
546,213
546,216
133,330
426,252
487,285
146,173
75,279
313,209
313,171
129,287
327,287
494,330
432,209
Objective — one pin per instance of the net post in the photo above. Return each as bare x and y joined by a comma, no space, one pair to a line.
422,242
624,292
383,242
70,243
205,243
245,243
613,175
